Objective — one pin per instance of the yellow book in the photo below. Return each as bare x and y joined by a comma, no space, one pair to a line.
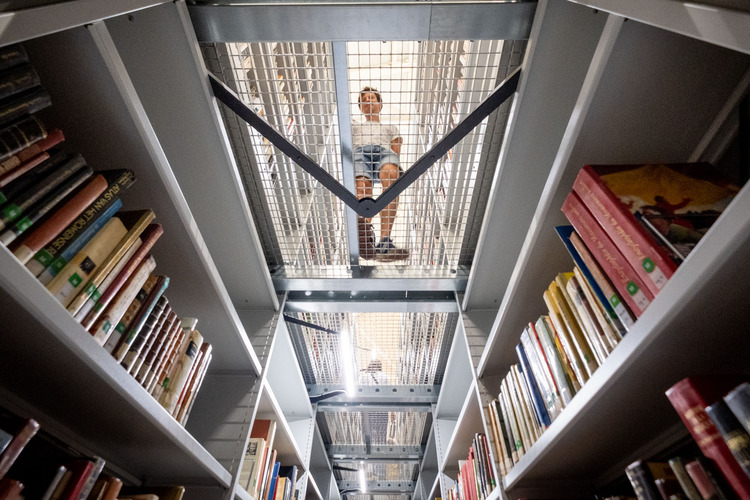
136,222
611,333
581,343
70,280
563,337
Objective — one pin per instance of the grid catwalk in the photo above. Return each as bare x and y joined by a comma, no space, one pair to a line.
426,88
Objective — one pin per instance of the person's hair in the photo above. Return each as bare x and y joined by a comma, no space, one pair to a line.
369,90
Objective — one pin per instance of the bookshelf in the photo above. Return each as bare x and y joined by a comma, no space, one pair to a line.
90,58
652,87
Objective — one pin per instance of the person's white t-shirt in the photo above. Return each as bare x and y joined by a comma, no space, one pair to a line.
373,133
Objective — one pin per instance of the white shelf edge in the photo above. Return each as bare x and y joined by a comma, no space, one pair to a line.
461,421
717,25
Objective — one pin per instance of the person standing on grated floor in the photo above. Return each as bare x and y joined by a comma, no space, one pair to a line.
376,149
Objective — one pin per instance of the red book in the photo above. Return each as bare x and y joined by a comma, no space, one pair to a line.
21,169
63,216
9,168
690,396
19,442
148,238
10,489
80,471
625,280
647,257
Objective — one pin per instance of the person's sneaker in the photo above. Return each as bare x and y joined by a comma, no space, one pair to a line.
386,245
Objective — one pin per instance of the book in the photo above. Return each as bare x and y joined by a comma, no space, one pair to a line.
289,472
133,359
60,220
587,320
641,478
135,222
248,476
539,366
265,429
702,474
612,334
535,426
688,487
5,439
105,325
20,135
129,314
738,400
628,284
70,280
160,339
572,322
168,363
54,482
177,378
272,481
28,429
689,397
619,196
511,418
524,425
550,356
23,104
98,466
190,387
12,55
149,237
10,489
164,359
26,182
624,319
23,161
280,489
134,328
22,202
80,471
175,492
80,230
17,79
502,448
47,205
579,371
540,408
732,431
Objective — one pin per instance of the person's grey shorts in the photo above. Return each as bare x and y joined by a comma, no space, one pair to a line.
369,159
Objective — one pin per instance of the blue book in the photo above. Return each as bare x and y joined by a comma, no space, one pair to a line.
536,396
274,480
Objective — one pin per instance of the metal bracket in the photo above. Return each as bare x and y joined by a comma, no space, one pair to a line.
367,207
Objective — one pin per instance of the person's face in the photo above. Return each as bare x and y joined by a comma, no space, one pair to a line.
369,104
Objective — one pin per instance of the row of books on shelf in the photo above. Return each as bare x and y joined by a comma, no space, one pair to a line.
476,477
44,469
262,475
631,226
65,223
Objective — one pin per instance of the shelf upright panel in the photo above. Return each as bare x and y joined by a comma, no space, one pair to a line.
458,377
549,85
289,452
158,44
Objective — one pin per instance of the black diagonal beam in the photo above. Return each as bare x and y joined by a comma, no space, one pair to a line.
368,207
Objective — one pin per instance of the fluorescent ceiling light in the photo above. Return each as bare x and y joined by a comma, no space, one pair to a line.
362,481
347,362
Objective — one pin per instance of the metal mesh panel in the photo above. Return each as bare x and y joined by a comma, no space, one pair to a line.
385,428
379,471
390,348
426,88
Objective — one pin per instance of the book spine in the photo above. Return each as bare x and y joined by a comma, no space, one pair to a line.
688,487
572,323
589,324
503,445
563,335
187,405
62,217
162,337
48,204
20,135
540,337
160,364
18,79
611,333
130,314
23,104
734,435
17,444
10,489
103,328
627,283
738,400
24,182
642,481
68,236
153,326
19,169
50,267
19,205
189,381
135,328
512,418
12,167
72,278
12,55
540,409
645,255
688,398
704,480
174,383
524,401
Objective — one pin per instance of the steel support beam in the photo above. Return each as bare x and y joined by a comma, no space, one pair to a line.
367,207
356,453
411,394
373,407
379,487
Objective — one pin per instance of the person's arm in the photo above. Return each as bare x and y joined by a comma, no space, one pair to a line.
396,145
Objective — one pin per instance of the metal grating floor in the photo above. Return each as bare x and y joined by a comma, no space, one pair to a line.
427,87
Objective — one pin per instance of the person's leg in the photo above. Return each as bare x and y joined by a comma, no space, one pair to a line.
388,175
365,231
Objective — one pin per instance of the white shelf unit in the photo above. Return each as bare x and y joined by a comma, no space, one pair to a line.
646,94
96,61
